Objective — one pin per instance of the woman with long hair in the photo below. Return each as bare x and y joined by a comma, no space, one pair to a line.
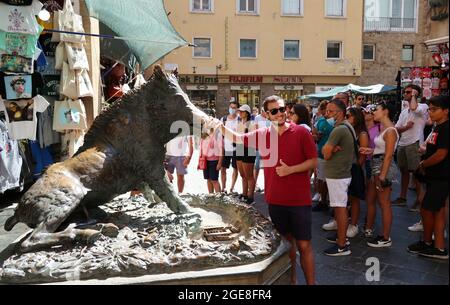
299,115
383,171
356,118
246,157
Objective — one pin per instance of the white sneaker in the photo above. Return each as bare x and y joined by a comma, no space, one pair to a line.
331,226
417,227
352,231
317,197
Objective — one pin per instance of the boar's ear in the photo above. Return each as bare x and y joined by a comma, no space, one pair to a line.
158,72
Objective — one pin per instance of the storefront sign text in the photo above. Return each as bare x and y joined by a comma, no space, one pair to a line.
198,79
246,79
287,79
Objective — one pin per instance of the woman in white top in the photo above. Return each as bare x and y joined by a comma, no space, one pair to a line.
383,172
299,115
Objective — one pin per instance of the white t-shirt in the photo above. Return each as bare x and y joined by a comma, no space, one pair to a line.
419,117
178,147
21,116
233,125
262,121
20,19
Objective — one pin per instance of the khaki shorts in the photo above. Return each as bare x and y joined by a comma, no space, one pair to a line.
408,157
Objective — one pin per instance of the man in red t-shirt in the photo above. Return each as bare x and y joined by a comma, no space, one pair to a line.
289,153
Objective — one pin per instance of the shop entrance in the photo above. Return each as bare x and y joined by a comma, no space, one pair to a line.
203,98
289,93
250,95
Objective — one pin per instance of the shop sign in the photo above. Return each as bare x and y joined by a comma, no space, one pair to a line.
198,79
287,79
288,87
245,87
320,89
245,79
201,87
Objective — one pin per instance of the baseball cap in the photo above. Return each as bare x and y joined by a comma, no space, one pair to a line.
245,107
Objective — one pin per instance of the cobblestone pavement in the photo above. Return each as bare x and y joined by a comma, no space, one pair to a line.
397,266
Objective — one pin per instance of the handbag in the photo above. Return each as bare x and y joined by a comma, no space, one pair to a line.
357,186
202,162
84,85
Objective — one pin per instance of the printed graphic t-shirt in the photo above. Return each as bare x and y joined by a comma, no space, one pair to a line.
20,19
21,116
438,140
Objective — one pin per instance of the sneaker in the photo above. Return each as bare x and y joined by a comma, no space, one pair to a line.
331,226
317,197
379,242
434,253
335,250
368,233
352,231
418,247
417,227
333,239
320,207
399,202
250,200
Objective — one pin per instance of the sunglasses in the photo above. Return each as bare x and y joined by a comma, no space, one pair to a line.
275,110
360,99
408,92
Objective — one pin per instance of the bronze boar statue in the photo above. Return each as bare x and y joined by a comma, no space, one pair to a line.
123,149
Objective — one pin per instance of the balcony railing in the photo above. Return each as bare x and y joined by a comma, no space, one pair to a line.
389,24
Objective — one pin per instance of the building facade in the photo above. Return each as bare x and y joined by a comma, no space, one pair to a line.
249,49
393,36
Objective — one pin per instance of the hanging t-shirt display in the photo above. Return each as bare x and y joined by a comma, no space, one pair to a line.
17,2
18,44
10,161
20,19
21,116
17,86
36,82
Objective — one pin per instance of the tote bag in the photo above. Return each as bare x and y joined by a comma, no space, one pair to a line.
69,115
68,20
69,84
76,56
60,56
84,85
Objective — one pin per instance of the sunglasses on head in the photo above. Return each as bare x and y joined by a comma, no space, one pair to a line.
275,110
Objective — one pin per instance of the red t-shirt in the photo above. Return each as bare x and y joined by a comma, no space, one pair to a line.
295,146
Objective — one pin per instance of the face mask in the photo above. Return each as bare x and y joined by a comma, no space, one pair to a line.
331,121
232,111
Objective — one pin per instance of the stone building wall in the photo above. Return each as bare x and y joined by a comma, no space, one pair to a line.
388,50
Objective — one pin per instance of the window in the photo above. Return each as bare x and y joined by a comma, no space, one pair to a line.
408,52
248,48
291,49
334,8
292,7
248,6
369,52
201,5
202,47
334,50
390,15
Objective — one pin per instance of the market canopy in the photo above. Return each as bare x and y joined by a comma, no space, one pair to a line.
374,89
143,25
